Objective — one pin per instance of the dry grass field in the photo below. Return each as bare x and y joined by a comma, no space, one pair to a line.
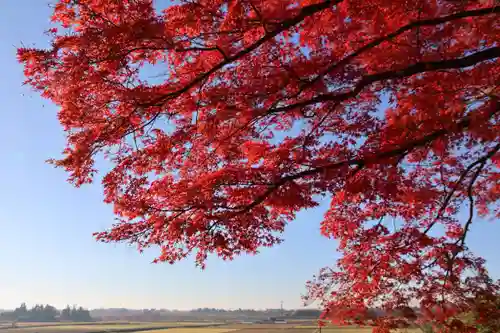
291,327
117,327
332,329
101,327
185,327
273,328
196,330
107,325
98,323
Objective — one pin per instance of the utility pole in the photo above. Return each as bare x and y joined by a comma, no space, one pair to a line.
282,314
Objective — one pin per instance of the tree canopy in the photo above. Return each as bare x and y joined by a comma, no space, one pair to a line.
257,108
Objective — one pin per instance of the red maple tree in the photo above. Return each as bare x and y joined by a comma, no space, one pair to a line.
258,107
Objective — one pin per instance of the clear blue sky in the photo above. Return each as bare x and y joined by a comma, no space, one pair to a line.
47,253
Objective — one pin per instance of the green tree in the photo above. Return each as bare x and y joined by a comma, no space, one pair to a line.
66,313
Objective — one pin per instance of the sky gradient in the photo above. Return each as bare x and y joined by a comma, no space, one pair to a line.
47,252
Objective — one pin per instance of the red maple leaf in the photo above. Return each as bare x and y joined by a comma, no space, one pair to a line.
389,107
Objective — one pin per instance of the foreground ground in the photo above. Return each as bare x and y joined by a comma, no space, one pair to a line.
179,327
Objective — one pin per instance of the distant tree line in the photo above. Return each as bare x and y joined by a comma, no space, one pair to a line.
46,313
75,314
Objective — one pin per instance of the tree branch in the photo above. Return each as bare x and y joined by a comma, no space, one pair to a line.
285,25
420,67
480,168
410,26
360,162
464,174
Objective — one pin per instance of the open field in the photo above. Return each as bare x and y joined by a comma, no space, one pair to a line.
261,327
82,325
270,328
186,327
118,327
107,325
196,330
72,323
282,328
107,328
